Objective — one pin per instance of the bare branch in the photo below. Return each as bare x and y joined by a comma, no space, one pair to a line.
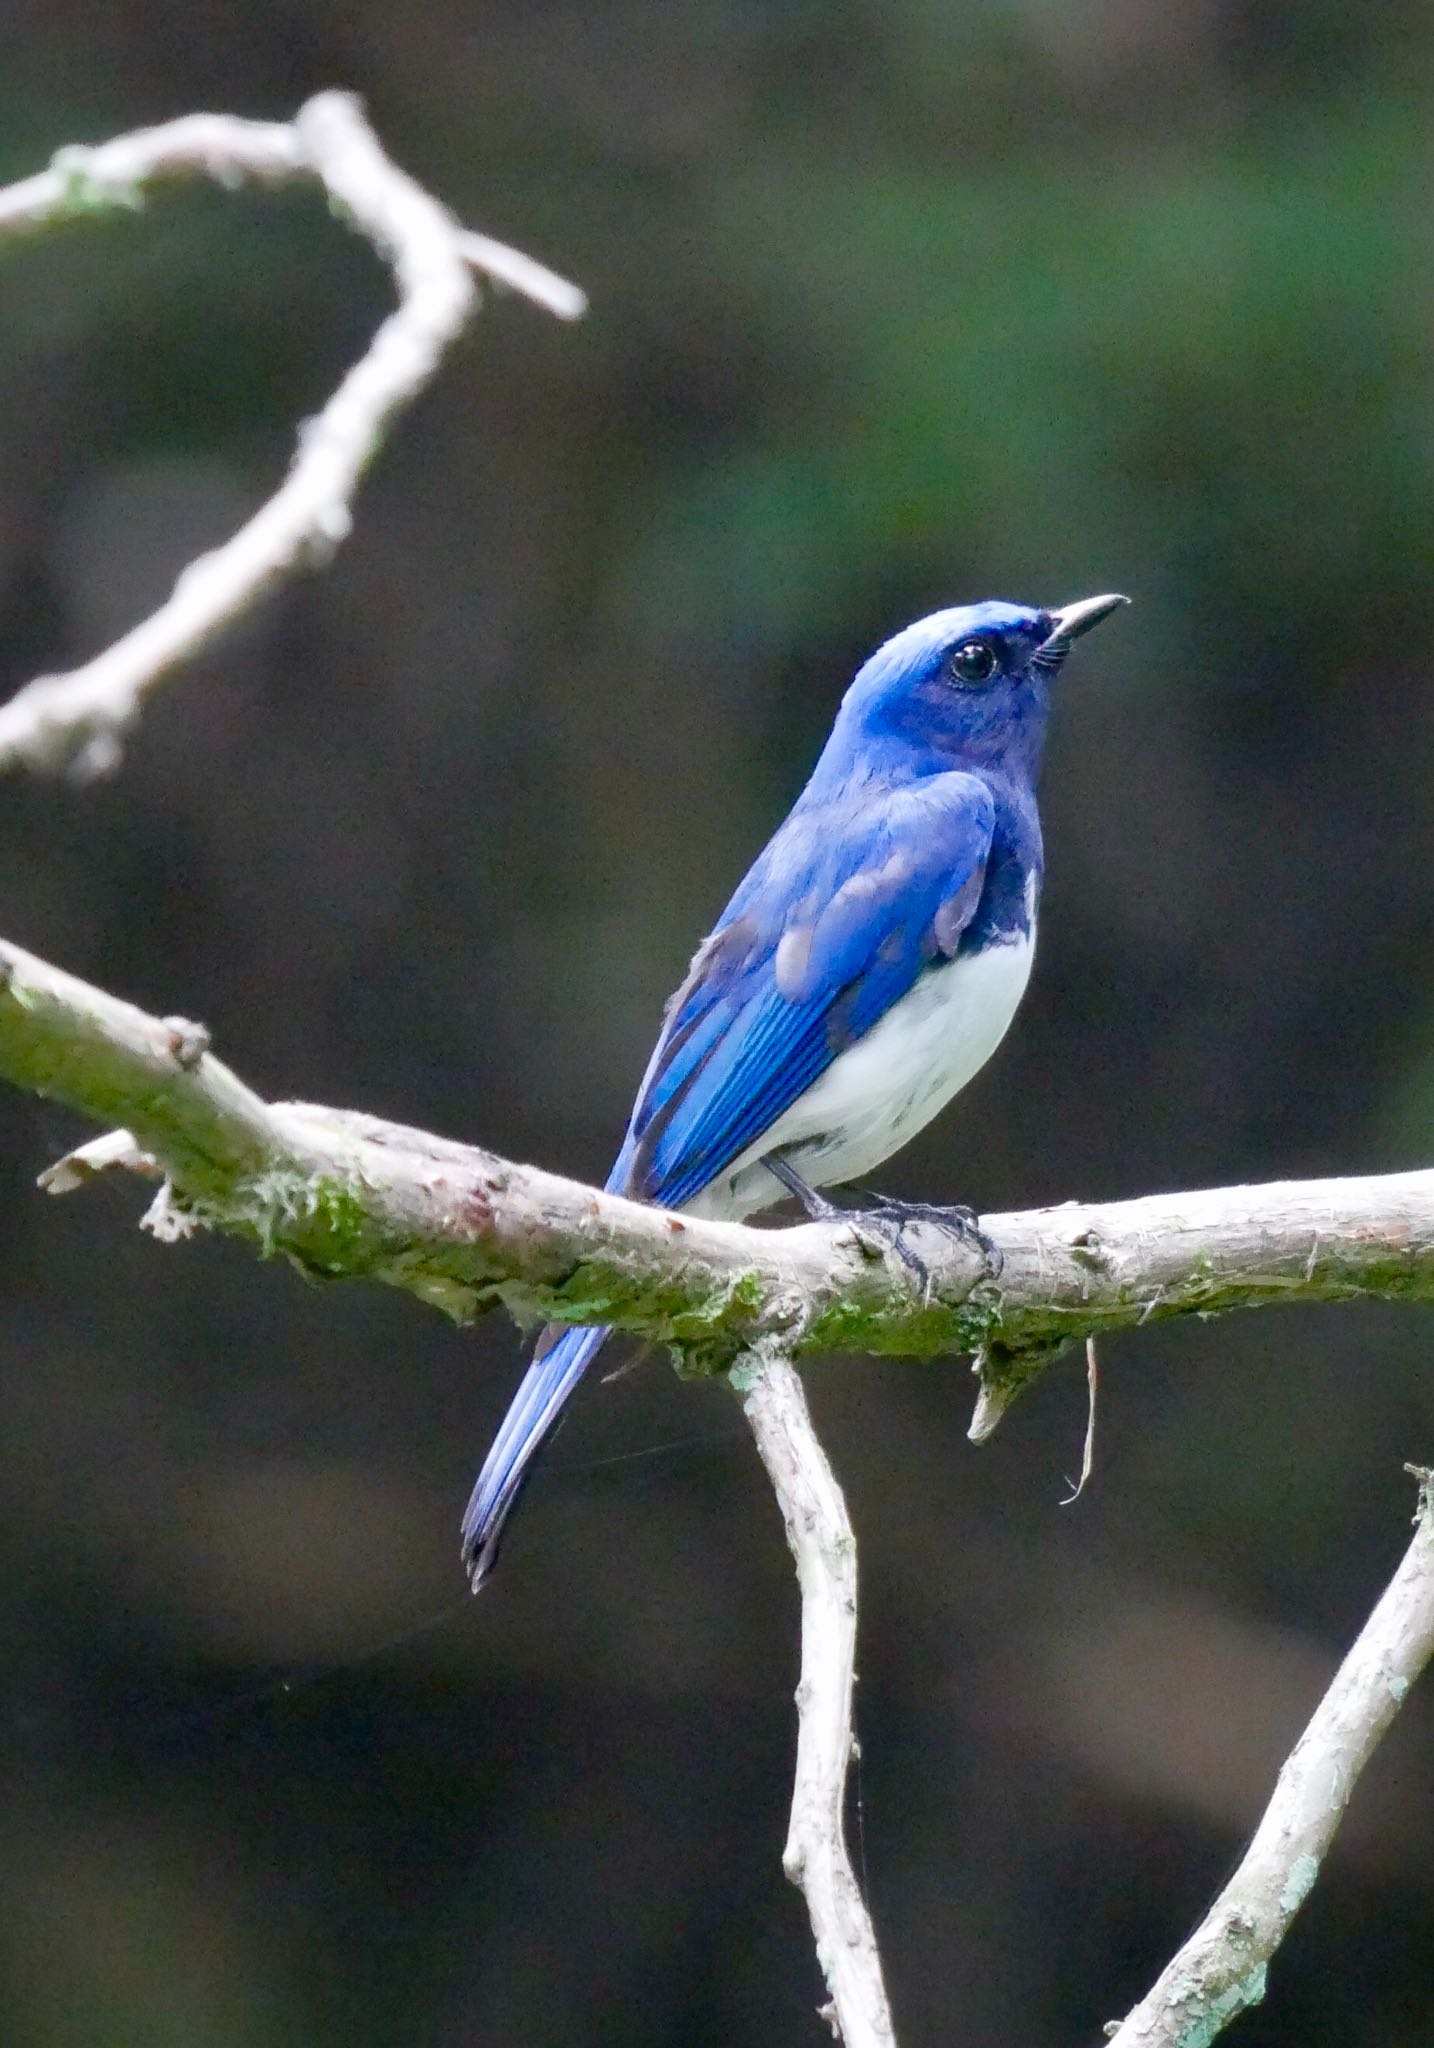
348,1195
1086,1268
519,273
820,1534
77,721
115,1152
1221,1969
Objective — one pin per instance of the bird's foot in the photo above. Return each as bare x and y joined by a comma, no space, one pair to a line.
886,1220
883,1221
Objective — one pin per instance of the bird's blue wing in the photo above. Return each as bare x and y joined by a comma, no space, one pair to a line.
845,908
849,903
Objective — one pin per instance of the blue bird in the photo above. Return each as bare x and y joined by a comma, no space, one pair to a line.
866,968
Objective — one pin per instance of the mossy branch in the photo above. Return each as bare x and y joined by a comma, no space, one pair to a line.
345,1195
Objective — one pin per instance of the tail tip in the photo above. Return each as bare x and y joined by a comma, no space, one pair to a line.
479,1555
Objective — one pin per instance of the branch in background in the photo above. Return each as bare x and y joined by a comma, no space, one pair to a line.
820,1534
1221,1969
350,1196
77,721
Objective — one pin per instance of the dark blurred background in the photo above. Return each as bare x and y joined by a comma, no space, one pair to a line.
893,305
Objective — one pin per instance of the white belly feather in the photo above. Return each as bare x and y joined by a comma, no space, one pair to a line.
884,1088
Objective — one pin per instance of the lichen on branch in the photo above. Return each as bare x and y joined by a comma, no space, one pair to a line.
344,1195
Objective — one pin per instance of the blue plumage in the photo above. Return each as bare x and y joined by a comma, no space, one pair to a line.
849,902
867,965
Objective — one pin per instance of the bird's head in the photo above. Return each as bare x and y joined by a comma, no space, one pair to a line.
969,687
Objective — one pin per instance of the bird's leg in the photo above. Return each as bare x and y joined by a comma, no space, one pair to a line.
818,1208
886,1219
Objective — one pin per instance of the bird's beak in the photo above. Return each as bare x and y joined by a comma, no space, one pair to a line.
1074,619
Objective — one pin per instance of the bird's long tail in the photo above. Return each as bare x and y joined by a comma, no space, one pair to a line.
561,1359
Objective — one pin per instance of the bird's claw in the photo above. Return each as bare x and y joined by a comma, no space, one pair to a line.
879,1226
882,1227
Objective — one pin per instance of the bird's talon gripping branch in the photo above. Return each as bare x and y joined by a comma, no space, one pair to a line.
953,1220
867,1242
879,1226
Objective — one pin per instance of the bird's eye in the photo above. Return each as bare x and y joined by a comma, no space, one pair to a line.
974,661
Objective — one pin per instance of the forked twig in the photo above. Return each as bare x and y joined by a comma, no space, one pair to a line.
78,721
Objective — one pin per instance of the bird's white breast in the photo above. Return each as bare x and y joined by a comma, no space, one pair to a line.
884,1088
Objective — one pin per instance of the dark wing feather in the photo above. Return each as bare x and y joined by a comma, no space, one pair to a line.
838,917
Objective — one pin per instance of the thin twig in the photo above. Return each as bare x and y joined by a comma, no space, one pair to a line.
78,721
1221,1969
820,1534
1087,1455
519,273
